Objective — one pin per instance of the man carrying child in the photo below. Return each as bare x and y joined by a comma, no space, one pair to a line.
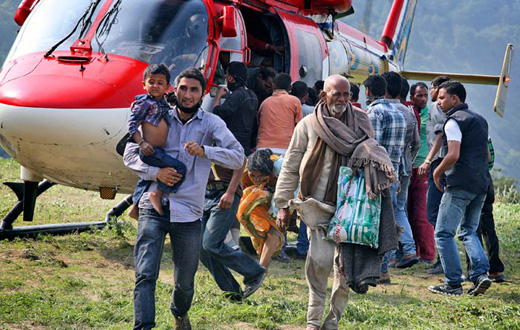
197,139
151,112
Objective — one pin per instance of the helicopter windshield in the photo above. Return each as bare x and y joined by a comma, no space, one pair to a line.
40,32
158,31
153,31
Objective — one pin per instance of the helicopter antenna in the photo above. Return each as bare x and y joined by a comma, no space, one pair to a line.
105,26
85,25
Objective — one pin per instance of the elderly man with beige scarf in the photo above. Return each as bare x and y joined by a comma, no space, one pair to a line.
335,134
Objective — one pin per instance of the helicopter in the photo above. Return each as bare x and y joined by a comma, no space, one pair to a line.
66,84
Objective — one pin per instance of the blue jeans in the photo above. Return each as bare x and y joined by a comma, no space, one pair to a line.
406,238
459,207
185,242
217,256
159,159
302,242
434,196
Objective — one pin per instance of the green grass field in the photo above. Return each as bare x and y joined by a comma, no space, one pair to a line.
85,281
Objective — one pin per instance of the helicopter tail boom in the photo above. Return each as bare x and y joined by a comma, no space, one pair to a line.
400,18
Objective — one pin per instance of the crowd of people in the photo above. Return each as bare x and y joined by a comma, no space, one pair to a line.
268,152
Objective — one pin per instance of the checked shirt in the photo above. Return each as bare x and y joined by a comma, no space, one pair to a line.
389,127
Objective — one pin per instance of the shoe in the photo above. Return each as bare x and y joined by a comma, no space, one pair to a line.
182,323
436,269
233,296
446,289
361,289
254,285
481,285
384,278
408,261
312,327
497,277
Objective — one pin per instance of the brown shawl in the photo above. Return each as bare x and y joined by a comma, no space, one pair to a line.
351,139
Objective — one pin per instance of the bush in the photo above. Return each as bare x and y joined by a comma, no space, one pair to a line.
506,188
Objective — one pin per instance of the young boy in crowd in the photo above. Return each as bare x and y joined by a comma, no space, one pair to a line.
150,111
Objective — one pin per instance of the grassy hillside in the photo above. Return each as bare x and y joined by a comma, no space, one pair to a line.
85,281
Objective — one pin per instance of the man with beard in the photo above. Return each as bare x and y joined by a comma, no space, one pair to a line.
198,139
335,134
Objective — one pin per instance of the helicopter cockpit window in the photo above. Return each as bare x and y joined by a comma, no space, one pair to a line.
39,33
160,31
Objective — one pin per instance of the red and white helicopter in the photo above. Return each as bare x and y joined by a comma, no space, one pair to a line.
75,67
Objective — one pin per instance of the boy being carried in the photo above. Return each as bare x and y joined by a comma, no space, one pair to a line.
150,111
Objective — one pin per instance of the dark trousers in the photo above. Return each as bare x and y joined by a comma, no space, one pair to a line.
159,159
433,199
487,234
217,256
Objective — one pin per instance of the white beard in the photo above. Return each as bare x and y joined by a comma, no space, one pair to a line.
338,109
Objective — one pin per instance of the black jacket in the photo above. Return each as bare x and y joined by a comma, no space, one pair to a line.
239,113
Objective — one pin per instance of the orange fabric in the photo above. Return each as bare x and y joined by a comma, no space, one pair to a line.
253,214
277,117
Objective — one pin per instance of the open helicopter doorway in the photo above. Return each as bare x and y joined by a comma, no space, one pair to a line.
267,39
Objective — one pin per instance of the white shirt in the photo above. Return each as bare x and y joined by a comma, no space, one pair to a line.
452,130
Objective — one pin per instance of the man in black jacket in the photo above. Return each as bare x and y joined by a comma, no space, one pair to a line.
239,110
467,180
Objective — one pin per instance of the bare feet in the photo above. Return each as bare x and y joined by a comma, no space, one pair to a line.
134,212
155,198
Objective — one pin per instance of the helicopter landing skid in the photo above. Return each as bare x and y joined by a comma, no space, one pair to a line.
27,193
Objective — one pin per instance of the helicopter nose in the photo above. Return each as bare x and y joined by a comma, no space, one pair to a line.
56,85
61,92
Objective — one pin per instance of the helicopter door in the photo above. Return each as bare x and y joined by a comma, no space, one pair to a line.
230,49
307,48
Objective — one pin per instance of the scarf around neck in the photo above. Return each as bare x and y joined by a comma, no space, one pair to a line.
351,139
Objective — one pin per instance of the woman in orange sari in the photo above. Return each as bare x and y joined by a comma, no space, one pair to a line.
253,211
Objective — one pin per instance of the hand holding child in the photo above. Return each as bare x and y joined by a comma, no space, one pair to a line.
146,148
168,176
